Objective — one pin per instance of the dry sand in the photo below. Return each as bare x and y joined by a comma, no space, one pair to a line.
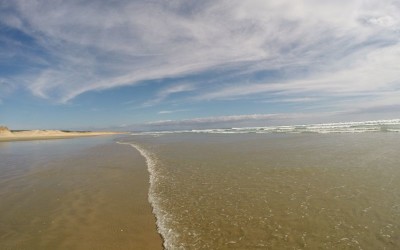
7,135
96,199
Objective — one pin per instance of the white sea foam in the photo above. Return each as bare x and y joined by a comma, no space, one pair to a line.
155,200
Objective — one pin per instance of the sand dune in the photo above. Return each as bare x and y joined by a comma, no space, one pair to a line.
4,131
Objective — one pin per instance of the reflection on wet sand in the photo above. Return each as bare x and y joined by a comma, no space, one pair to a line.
90,197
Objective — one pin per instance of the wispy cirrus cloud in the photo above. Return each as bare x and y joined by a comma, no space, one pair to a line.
170,90
374,75
92,46
165,112
292,100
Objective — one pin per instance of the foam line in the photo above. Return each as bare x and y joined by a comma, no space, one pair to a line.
154,199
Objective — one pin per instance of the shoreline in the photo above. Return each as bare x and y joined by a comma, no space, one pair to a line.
153,200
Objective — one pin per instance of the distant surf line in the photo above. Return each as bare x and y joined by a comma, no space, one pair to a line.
392,125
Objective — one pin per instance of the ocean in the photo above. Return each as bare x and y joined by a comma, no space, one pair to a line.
324,186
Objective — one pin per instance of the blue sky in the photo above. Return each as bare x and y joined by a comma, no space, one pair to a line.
180,64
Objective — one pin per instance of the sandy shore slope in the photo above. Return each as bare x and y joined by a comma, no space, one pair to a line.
74,195
7,135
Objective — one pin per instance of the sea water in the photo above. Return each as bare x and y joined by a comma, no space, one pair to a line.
275,190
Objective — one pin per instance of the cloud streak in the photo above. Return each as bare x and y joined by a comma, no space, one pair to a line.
169,91
94,46
164,112
374,75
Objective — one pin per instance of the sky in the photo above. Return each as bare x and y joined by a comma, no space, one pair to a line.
155,64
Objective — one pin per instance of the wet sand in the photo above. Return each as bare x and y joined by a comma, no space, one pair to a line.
93,197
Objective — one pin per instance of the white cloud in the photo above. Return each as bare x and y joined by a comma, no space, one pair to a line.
97,46
375,74
164,112
171,90
292,100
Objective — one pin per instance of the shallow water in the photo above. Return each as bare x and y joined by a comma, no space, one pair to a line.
275,191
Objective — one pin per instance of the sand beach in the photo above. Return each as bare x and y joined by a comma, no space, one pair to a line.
84,193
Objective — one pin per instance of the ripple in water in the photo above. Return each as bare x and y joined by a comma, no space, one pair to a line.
275,191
